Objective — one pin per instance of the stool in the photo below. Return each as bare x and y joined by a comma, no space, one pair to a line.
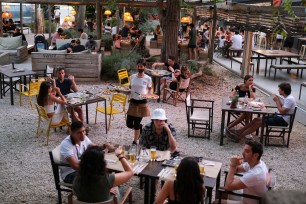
261,38
302,84
302,51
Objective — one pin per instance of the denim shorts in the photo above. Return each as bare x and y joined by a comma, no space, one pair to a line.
275,120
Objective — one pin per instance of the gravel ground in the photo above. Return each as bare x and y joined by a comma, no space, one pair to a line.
25,170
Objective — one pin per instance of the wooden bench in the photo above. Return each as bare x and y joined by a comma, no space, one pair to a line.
232,51
287,66
30,48
239,61
294,61
302,84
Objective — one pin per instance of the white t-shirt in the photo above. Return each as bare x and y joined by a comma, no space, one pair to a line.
139,86
237,42
290,103
221,43
69,150
57,13
84,36
114,30
255,179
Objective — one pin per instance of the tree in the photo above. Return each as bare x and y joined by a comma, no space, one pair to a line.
80,16
169,21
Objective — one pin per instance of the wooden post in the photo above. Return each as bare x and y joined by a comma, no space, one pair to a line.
247,53
49,20
98,19
1,20
194,17
36,20
21,20
211,46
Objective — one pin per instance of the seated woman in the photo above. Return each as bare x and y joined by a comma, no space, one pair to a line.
180,76
93,184
188,186
47,99
118,41
247,88
157,32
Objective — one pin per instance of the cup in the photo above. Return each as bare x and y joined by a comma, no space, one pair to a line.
153,153
202,169
132,158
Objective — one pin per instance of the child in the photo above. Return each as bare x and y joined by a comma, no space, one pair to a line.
222,41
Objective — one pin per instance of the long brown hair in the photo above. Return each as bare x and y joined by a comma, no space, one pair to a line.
188,186
43,93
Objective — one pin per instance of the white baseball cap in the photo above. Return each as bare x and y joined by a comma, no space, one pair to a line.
159,114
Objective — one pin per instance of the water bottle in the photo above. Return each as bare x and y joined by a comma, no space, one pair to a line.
246,97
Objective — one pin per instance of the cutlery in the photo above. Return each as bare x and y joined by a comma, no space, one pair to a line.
166,173
135,168
140,168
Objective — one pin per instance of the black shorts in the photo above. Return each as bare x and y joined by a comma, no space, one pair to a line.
275,120
192,46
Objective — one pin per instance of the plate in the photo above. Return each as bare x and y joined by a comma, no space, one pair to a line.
151,96
73,95
107,92
255,104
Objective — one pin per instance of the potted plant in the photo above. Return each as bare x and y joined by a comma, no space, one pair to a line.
234,102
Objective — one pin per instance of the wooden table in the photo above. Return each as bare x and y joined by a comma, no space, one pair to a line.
272,54
11,74
150,175
227,109
89,101
156,76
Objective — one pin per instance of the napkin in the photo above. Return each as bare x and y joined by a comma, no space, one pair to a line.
110,161
163,155
256,104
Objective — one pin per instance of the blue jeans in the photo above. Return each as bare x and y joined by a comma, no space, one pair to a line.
70,177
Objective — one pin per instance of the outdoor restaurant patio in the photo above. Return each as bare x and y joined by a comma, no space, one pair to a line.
25,169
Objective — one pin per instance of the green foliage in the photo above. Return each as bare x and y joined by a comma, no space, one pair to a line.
113,22
148,26
108,41
71,33
111,64
53,26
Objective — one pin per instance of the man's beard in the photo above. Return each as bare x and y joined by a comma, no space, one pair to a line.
140,71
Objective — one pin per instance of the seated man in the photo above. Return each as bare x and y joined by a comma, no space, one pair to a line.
72,147
171,65
255,177
66,85
237,43
77,47
67,45
18,33
159,133
91,44
287,107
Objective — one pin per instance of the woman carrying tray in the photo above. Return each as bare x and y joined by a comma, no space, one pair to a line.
141,85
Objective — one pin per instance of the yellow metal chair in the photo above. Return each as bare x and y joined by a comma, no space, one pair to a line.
123,77
111,110
30,90
42,115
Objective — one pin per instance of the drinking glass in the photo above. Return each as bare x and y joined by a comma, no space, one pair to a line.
153,153
133,151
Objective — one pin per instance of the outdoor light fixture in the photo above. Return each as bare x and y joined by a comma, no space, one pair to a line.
128,18
6,6
68,18
7,15
127,14
185,20
107,13
73,12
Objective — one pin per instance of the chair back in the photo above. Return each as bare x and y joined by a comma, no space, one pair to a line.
41,111
184,83
123,77
75,201
188,100
35,86
119,98
55,160
292,117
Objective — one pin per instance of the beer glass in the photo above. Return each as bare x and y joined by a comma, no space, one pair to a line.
153,153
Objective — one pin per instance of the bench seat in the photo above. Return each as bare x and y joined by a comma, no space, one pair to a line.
239,61
288,67
295,61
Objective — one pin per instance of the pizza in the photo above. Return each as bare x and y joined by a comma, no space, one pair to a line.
151,96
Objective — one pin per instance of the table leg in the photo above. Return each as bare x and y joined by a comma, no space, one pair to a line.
266,67
209,194
262,130
158,88
105,115
11,91
1,85
147,190
222,127
87,113
153,190
258,63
